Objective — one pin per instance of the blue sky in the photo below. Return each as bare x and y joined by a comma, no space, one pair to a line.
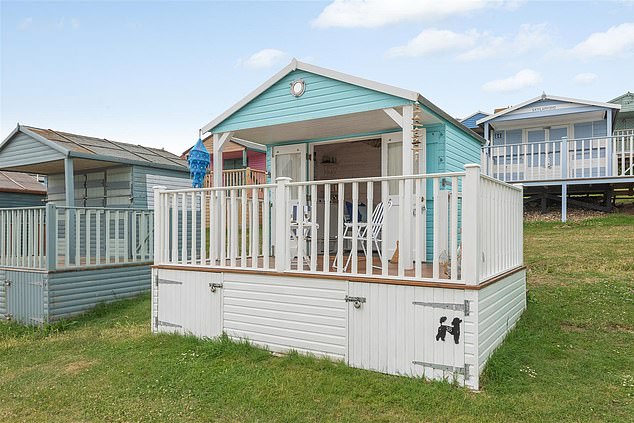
154,72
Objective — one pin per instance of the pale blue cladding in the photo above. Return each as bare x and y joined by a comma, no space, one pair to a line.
324,97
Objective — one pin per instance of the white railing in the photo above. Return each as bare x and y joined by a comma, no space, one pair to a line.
22,237
500,227
86,237
238,177
335,227
562,159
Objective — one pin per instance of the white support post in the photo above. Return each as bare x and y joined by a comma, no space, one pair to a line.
405,244
51,237
159,225
69,196
471,249
217,148
281,216
564,202
609,147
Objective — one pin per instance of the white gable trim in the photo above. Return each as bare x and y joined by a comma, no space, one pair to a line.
548,97
36,137
328,73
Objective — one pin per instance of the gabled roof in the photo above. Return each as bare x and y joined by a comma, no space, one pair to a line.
547,97
86,147
20,182
470,122
339,76
235,144
626,101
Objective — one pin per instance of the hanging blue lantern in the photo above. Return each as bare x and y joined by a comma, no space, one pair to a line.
198,163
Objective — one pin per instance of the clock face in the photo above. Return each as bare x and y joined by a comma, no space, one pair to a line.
297,88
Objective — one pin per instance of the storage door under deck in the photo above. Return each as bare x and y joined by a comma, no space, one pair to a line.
394,330
189,303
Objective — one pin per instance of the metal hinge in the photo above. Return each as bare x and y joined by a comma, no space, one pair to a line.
7,283
459,370
158,323
214,286
356,300
464,307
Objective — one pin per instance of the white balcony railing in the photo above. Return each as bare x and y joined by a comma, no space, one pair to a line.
57,238
453,227
238,177
563,159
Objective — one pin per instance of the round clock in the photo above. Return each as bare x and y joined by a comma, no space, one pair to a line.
298,87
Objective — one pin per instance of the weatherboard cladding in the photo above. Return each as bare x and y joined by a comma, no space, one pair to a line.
71,293
324,97
470,122
3,294
25,296
24,150
144,179
16,199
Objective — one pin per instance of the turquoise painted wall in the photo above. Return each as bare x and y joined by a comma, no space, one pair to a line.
324,97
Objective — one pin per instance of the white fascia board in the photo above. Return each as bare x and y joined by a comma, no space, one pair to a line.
473,114
548,97
444,115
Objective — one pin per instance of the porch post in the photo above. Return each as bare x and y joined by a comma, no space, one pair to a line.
281,224
471,253
406,246
160,224
609,147
218,143
564,201
69,191
51,236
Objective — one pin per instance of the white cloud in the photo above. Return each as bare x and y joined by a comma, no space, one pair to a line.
435,41
474,45
25,24
74,23
376,13
616,41
529,37
264,59
522,79
584,78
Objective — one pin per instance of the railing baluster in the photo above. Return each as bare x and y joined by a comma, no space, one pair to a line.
299,220
340,209
243,203
233,243
194,228
453,229
369,230
355,227
385,198
255,227
313,228
435,261
266,219
418,223
326,258
174,202
117,241
401,228
98,237
184,240
213,229
223,228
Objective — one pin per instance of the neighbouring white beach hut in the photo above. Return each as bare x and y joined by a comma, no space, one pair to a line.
375,242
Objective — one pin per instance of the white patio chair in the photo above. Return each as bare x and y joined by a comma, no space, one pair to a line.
378,215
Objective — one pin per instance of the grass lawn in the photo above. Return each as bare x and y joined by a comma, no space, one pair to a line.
571,358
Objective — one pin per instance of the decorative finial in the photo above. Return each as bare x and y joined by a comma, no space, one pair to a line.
198,163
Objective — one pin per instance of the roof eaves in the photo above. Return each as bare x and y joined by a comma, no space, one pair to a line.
444,115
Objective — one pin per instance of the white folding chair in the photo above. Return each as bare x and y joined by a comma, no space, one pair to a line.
378,215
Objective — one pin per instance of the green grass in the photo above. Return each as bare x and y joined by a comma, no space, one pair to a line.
571,358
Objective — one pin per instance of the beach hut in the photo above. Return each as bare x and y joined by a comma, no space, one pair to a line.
92,240
21,189
377,241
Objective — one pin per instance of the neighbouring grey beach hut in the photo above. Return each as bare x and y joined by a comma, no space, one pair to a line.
91,240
